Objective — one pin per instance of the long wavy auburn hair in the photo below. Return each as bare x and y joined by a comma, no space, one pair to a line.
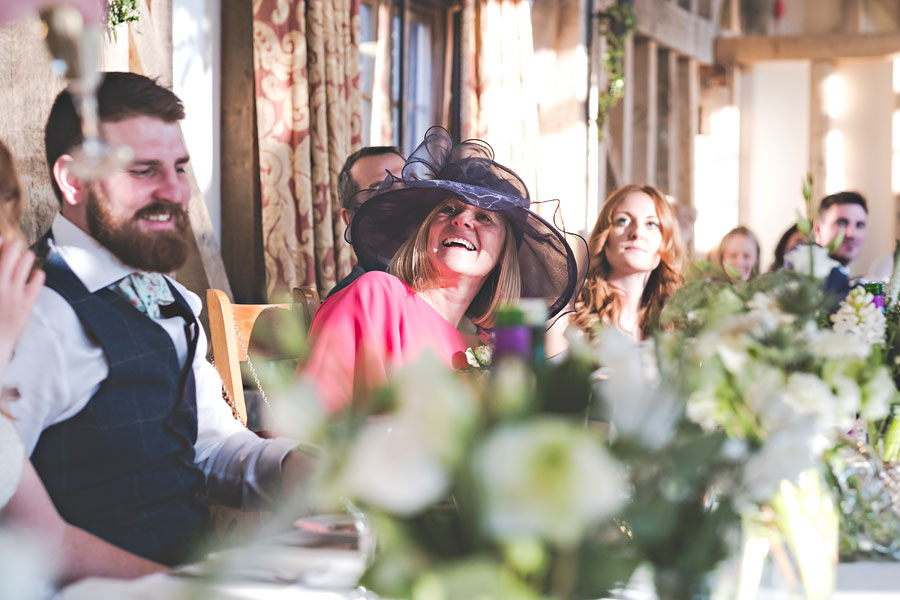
599,301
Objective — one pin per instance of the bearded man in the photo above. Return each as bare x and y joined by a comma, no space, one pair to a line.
120,411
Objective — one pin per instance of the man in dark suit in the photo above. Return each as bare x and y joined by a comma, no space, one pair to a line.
364,169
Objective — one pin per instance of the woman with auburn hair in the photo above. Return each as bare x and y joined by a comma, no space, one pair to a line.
739,249
24,501
635,255
457,238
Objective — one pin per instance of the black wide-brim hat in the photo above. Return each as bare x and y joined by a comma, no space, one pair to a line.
437,170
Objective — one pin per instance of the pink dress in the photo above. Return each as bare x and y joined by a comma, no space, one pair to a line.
369,328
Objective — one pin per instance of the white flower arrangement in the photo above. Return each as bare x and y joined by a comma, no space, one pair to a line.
858,315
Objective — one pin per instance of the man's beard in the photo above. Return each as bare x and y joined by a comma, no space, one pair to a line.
154,251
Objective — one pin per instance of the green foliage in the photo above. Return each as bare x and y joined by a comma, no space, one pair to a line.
615,24
122,11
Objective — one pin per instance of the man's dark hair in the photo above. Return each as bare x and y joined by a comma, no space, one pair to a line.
842,198
121,96
347,186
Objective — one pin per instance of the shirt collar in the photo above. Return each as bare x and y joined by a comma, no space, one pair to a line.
91,262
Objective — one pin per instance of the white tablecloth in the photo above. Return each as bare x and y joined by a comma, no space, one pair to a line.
256,573
855,581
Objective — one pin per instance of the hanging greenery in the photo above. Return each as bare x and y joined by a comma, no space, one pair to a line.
615,24
122,11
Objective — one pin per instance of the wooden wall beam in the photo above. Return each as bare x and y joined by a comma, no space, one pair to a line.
688,126
645,111
676,28
854,15
242,242
753,48
675,157
819,124
621,123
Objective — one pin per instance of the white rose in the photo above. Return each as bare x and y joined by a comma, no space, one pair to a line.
786,454
635,406
811,396
827,344
546,478
878,392
390,467
798,259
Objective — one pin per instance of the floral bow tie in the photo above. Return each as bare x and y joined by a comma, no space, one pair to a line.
146,292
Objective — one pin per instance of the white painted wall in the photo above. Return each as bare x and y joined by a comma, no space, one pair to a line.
774,149
196,59
865,124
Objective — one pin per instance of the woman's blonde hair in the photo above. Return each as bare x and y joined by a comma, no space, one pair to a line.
10,196
598,301
412,264
719,254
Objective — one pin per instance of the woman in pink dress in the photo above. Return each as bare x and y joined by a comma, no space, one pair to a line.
457,239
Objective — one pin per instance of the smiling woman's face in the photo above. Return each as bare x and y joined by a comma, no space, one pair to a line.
635,237
466,240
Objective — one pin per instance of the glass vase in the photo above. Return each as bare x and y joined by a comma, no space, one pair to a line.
672,584
791,543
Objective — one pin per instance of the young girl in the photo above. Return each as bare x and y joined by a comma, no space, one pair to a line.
740,251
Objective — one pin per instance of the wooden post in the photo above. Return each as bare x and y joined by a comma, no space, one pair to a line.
597,150
733,15
688,127
854,16
645,111
819,124
242,243
667,115
28,88
621,123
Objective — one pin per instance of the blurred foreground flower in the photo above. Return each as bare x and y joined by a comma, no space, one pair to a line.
546,478
811,260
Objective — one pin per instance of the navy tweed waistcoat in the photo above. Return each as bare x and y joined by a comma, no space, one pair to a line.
123,468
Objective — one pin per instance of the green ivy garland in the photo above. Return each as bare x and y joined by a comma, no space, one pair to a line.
122,11
615,24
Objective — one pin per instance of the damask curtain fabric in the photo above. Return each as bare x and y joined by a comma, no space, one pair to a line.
308,108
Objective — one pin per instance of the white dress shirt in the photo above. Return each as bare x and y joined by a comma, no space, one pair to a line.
57,368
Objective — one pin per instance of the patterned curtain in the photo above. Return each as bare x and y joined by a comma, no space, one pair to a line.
308,120
498,103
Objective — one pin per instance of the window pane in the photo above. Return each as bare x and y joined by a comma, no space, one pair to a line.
367,49
419,92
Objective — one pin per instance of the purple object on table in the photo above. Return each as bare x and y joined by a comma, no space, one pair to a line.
514,339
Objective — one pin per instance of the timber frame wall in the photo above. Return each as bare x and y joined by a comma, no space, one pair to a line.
823,51
650,133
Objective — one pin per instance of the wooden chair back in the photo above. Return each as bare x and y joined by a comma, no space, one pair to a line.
306,299
228,320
